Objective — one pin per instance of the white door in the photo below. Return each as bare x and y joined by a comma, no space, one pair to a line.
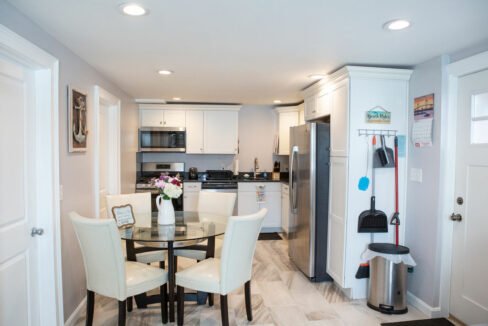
469,293
194,132
18,250
103,159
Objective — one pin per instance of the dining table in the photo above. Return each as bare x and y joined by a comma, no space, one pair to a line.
189,231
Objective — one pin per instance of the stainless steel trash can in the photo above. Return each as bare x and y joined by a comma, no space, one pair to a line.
387,289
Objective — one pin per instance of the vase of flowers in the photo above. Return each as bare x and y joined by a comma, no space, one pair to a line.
169,188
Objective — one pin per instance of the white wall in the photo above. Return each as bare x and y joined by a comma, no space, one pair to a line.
423,227
257,128
76,169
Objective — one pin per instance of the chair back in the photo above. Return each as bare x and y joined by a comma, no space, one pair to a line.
141,206
211,204
240,240
102,255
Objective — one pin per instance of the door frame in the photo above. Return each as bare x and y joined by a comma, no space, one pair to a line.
453,72
46,73
101,96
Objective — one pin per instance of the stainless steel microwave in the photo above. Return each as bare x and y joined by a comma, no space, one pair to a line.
162,139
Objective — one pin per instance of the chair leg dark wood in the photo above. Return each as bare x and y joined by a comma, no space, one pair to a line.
247,294
164,303
90,307
224,310
122,306
129,304
176,263
180,297
210,299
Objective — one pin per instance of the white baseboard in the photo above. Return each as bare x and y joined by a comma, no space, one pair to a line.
431,312
73,317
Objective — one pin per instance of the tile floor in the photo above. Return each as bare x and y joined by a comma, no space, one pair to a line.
281,295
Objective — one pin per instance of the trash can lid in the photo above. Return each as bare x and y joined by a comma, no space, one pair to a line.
388,248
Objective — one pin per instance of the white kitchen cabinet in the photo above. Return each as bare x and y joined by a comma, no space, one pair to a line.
162,118
339,111
285,208
247,202
287,117
351,92
194,132
301,114
220,132
191,191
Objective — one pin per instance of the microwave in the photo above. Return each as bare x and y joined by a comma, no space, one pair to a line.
162,139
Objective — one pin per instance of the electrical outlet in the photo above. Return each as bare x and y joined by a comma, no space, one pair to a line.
416,175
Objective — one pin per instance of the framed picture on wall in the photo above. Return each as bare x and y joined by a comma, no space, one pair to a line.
77,120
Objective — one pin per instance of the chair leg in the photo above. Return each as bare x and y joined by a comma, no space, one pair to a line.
164,303
180,298
210,299
176,263
224,310
90,307
247,293
122,306
129,304
161,264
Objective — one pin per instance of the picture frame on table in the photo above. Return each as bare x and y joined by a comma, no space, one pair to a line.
77,120
124,216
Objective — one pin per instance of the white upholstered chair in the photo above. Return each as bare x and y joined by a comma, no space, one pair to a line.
232,270
107,273
141,206
212,207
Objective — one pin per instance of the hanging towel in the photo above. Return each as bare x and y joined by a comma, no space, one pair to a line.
260,195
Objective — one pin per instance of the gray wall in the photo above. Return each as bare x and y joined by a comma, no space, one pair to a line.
423,227
76,170
257,129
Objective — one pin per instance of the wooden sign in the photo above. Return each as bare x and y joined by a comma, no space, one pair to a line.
123,215
378,115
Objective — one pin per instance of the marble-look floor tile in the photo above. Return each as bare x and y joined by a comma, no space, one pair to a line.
288,315
275,294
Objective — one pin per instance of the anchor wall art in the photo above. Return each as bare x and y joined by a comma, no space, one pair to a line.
77,120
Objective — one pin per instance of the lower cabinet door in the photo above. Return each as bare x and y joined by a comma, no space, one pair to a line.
190,201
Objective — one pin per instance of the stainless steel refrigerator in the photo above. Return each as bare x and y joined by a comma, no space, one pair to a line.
309,198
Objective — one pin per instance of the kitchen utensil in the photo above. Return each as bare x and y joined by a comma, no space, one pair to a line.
372,220
193,173
395,219
384,157
363,183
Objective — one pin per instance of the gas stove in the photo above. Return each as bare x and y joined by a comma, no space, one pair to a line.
219,179
154,170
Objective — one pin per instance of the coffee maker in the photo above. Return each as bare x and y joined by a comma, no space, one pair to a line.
193,173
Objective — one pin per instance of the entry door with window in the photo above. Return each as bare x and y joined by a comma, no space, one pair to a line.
18,190
469,290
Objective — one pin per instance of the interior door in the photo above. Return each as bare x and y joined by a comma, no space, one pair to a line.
18,282
469,295
103,153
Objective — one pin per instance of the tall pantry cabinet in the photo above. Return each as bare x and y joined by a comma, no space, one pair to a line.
344,97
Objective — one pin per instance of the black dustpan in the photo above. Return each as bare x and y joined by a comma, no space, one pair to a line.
373,220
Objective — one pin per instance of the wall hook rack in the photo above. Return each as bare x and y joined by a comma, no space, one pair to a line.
377,132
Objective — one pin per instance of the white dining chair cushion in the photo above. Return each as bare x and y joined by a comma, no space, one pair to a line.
106,271
235,266
200,254
150,256
142,278
204,276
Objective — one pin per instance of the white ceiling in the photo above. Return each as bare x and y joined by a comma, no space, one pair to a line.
252,51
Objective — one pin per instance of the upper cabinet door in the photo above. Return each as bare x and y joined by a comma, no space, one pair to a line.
194,132
310,107
286,120
339,127
322,104
151,118
220,132
174,118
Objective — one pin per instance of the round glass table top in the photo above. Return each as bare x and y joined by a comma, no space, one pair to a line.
188,226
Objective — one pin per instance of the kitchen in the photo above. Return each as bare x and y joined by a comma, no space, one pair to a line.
235,103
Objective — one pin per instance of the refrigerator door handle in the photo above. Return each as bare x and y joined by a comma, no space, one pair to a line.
293,179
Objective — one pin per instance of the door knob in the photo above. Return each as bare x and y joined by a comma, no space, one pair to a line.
37,231
456,217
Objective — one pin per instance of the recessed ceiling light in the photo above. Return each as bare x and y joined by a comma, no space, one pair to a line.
397,24
133,9
176,98
165,72
316,76
276,101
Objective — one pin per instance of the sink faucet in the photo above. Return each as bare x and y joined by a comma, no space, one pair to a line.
256,168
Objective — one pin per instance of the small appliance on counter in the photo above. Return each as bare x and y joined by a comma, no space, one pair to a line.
276,171
193,173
